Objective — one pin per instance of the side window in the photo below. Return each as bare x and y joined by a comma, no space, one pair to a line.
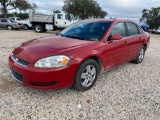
139,30
3,20
59,16
66,17
132,29
19,19
12,18
119,28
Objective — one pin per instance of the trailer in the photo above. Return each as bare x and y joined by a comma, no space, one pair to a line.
42,22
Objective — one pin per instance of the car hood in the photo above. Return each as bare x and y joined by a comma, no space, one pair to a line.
36,49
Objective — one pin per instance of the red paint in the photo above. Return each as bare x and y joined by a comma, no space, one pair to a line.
111,54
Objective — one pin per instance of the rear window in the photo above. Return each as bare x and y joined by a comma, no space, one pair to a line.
11,18
12,21
19,19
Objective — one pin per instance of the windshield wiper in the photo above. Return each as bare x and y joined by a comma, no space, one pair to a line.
76,37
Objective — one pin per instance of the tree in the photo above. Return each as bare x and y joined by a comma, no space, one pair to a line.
16,4
151,17
84,9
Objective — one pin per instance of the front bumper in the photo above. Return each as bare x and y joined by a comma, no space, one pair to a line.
43,78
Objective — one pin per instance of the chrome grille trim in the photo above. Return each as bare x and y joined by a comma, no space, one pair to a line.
13,58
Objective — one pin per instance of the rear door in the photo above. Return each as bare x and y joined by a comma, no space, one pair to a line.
116,50
135,39
3,22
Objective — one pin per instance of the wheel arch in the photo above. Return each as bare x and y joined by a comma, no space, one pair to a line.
97,59
145,46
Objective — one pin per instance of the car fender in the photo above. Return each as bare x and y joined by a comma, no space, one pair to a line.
80,58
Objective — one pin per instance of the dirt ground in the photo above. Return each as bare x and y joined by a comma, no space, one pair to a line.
128,92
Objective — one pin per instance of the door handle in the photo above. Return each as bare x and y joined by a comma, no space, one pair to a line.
140,38
125,42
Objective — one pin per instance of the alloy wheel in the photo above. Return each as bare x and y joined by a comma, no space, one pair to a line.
88,75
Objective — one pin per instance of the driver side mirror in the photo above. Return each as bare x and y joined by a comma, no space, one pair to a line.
116,37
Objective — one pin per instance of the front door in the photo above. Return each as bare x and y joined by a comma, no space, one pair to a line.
59,20
116,50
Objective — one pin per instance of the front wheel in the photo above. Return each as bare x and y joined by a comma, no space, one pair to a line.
86,75
140,56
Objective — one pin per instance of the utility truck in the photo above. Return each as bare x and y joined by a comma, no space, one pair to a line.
56,20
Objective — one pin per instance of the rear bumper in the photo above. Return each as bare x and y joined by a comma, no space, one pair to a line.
55,78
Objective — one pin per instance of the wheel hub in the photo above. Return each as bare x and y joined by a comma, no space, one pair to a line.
88,75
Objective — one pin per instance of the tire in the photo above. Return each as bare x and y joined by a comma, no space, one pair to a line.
38,28
86,75
26,27
9,27
140,56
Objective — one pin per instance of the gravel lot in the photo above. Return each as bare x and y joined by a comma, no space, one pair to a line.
128,92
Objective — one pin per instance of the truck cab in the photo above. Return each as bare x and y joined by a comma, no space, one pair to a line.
44,22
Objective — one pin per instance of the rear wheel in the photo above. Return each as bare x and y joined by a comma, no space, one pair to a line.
38,28
140,56
9,27
86,75
26,27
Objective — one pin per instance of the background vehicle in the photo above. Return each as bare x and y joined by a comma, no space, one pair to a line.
144,27
42,22
27,24
156,31
10,24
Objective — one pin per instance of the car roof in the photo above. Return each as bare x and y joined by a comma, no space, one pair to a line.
109,20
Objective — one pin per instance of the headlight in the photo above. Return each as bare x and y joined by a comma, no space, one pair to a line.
53,61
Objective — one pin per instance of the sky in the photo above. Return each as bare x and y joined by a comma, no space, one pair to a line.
128,9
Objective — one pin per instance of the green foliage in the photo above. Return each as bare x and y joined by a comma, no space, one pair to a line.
84,9
15,14
16,4
151,17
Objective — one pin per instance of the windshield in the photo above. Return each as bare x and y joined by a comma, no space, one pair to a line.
12,21
86,30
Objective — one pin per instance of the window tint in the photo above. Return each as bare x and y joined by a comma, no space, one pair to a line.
11,18
4,20
132,29
60,16
119,28
87,30
19,19
140,30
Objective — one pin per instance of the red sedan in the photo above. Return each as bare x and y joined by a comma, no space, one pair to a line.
77,55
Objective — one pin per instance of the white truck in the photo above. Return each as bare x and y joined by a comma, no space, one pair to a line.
42,22
26,23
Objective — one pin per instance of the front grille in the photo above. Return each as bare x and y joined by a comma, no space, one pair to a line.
20,61
44,83
16,75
